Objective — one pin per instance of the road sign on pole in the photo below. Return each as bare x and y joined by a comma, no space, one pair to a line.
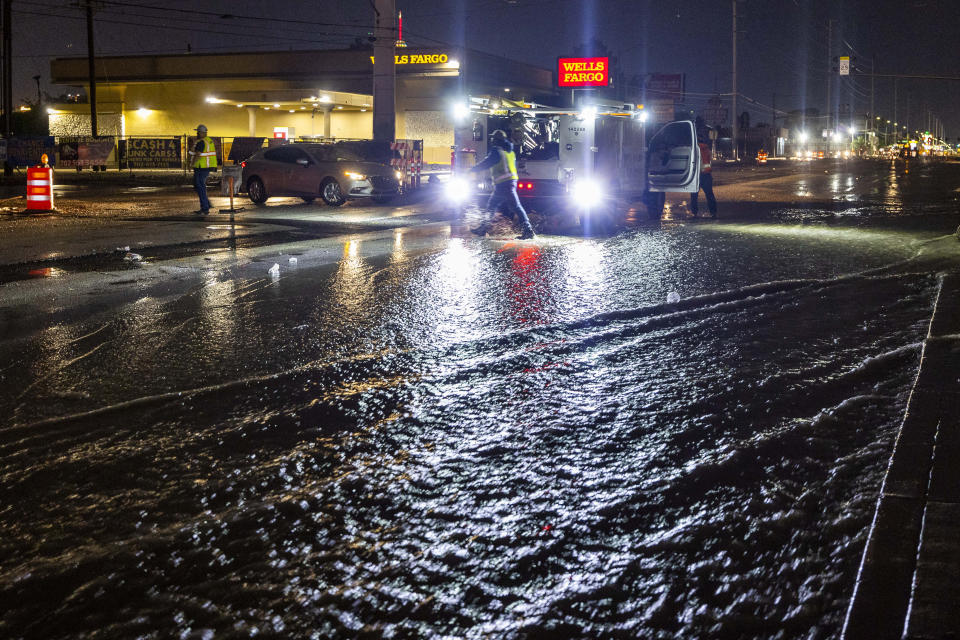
844,65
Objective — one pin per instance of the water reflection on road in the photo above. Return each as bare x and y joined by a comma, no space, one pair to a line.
489,439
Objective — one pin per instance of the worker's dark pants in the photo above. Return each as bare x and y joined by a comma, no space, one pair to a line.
706,183
200,185
505,196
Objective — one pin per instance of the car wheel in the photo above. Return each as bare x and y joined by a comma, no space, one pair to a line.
331,193
256,191
308,199
382,199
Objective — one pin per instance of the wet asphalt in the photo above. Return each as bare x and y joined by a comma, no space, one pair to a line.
406,431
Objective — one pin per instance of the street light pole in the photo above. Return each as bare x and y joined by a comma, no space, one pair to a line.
873,71
829,109
7,70
384,72
91,71
736,147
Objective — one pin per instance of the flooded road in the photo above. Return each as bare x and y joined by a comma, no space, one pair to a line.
439,436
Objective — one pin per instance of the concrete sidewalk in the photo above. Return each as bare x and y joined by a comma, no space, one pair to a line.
909,580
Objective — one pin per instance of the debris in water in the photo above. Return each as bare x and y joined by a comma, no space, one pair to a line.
274,270
673,297
133,257
293,260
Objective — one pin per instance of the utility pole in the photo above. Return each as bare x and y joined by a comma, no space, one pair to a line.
907,123
384,72
92,93
7,70
773,125
895,100
736,126
829,110
873,73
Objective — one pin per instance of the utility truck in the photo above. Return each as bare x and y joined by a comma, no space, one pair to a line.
588,162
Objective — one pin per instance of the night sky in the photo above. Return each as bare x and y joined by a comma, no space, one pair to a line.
782,48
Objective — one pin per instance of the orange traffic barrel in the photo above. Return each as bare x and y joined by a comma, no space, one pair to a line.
39,189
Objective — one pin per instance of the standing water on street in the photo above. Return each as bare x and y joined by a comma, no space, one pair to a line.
492,439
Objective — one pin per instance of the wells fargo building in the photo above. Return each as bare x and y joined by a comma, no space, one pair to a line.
326,93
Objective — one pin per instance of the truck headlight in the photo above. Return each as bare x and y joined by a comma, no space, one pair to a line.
457,189
354,176
586,191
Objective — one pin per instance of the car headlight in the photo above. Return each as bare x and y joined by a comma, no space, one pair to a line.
457,189
586,191
398,176
354,176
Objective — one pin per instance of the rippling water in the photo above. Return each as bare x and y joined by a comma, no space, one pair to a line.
489,440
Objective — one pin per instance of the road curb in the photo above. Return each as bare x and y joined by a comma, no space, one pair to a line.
907,586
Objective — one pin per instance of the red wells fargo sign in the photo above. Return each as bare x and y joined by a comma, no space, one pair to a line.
583,72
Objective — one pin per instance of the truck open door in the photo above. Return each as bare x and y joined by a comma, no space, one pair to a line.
673,159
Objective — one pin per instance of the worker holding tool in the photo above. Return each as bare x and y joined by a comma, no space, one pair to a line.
502,163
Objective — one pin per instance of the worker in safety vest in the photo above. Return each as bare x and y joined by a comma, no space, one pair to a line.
706,181
502,163
203,158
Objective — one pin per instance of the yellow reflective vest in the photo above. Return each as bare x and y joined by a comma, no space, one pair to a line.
206,159
506,169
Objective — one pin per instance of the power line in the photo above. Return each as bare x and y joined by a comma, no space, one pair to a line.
181,28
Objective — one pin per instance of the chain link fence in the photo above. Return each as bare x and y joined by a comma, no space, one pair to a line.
141,153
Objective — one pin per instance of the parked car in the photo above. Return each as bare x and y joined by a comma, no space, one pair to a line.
315,170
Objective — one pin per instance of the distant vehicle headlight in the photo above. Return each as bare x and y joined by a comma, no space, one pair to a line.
354,176
398,175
